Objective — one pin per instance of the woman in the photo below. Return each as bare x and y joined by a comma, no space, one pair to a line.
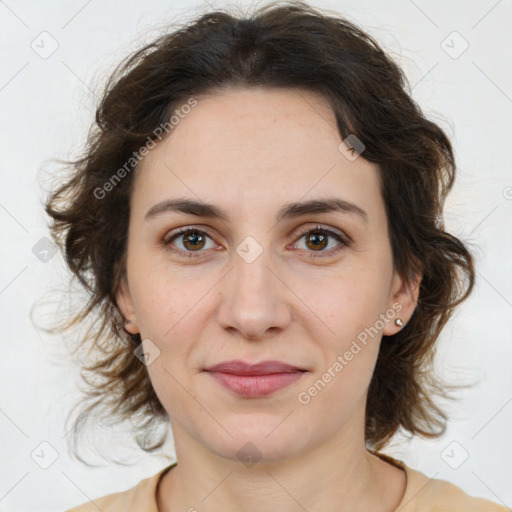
260,209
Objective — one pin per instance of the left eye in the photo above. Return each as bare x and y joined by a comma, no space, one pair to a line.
318,240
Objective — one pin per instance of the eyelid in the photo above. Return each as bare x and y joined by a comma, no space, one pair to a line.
328,229
183,230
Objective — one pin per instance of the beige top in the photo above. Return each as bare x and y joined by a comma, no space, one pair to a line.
422,494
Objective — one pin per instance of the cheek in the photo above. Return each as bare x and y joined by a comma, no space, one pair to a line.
162,299
345,301
349,348
171,313
345,312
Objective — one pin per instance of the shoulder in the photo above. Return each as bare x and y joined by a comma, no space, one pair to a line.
424,494
140,498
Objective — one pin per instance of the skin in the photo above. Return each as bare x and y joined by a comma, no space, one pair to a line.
251,151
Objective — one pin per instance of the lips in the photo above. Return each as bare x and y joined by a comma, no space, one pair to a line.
263,368
254,380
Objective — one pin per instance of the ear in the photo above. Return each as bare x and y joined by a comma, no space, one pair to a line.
125,306
404,299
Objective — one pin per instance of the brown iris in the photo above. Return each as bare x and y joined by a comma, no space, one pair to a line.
195,238
319,240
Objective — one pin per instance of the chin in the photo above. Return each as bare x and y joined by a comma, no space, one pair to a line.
258,442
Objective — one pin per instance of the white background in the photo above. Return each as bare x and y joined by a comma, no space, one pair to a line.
46,108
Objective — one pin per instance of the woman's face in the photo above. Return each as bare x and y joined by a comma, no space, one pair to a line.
255,286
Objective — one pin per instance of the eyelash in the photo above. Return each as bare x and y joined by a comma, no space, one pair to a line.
344,241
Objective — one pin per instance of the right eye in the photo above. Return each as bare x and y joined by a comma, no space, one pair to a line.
191,240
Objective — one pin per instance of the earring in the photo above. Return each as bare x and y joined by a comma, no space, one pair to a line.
399,322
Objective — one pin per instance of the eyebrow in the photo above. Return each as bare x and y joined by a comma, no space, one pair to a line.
289,211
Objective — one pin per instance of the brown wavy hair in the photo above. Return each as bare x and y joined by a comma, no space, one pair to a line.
284,45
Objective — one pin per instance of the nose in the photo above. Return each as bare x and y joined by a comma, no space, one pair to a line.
255,300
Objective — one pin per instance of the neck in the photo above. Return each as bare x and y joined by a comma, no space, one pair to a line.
342,479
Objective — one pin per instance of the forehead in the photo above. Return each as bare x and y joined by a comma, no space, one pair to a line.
254,145
247,122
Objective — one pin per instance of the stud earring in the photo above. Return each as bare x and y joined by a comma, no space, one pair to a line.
399,322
